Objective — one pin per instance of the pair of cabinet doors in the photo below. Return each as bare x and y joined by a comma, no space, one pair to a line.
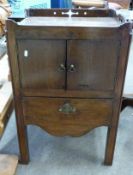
68,64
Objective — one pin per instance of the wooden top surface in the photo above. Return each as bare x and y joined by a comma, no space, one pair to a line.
71,21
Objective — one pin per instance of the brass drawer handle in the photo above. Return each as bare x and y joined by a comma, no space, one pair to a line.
62,68
67,108
72,68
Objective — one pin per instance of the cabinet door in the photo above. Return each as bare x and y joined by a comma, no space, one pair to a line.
92,64
41,63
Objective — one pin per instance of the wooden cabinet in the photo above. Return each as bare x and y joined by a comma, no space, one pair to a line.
68,72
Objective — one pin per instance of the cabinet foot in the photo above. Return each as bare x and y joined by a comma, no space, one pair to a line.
110,146
107,163
23,161
23,142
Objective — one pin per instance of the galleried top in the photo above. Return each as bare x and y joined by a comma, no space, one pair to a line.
72,18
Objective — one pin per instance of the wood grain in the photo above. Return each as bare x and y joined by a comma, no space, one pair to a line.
95,57
21,127
62,12
91,58
88,115
44,66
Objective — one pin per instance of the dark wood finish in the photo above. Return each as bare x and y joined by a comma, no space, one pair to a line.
68,73
21,127
79,12
112,129
69,93
53,32
46,70
96,63
90,113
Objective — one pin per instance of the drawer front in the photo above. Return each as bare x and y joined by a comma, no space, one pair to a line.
60,116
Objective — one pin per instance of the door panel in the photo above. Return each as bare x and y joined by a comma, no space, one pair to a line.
39,63
94,63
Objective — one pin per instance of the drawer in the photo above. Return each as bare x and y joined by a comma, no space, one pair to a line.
65,116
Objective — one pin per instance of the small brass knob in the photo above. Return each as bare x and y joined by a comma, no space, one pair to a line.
62,68
72,68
